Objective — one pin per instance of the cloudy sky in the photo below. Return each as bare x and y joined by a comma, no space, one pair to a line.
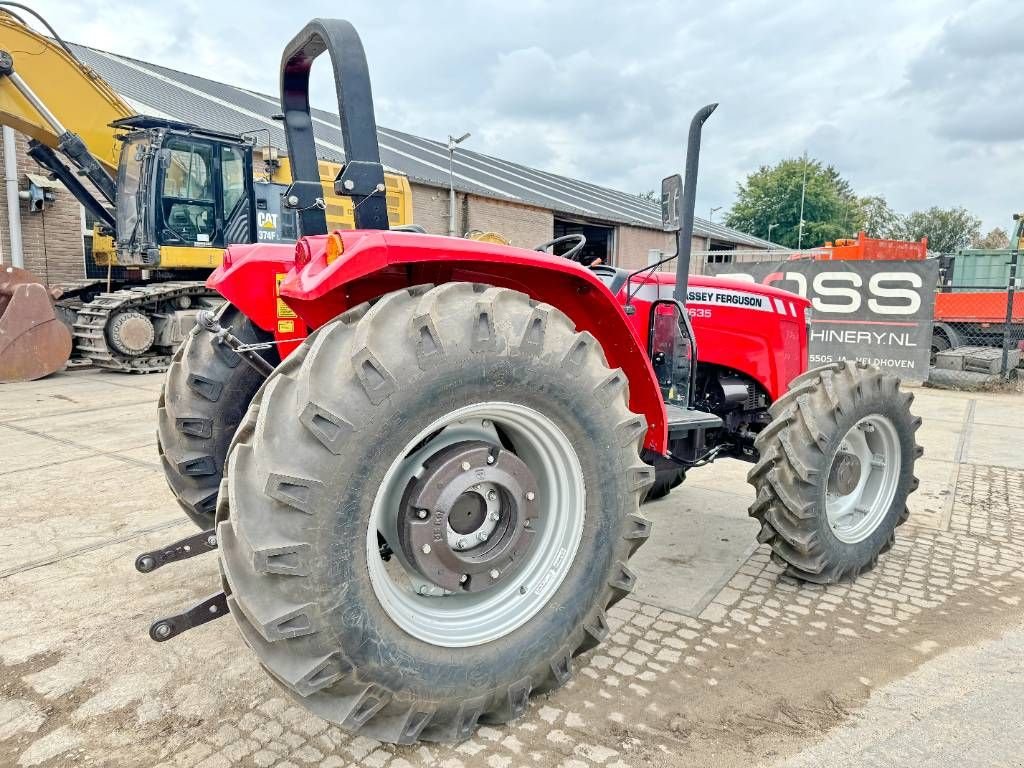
917,101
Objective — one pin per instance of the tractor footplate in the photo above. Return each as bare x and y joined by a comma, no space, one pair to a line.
190,546
211,608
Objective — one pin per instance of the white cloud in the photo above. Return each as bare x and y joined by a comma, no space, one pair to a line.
913,100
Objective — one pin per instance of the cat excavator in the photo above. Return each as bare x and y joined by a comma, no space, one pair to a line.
167,198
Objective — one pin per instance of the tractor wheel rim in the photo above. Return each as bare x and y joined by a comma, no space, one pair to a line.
454,619
856,504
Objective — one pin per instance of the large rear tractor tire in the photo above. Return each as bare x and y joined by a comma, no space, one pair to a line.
205,395
836,467
429,507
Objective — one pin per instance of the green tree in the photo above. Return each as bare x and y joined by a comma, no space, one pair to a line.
947,229
770,197
995,239
879,219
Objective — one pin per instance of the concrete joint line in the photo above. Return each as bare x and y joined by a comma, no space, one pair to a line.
81,447
964,442
88,548
959,459
76,411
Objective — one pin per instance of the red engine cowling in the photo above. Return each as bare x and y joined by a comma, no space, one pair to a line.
755,329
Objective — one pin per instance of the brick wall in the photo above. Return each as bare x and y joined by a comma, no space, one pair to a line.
51,240
523,225
430,208
634,243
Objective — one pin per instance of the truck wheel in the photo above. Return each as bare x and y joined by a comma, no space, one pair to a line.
429,507
836,466
205,395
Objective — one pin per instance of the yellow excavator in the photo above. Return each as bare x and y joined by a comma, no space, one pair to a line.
167,198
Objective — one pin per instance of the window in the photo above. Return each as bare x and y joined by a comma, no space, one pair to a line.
233,193
720,257
128,206
233,171
188,192
188,173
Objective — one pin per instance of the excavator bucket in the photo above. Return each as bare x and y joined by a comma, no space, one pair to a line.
33,341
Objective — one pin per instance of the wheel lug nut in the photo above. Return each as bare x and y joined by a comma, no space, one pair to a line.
494,516
492,495
422,514
490,459
466,466
425,549
463,578
482,536
460,544
530,495
495,573
528,524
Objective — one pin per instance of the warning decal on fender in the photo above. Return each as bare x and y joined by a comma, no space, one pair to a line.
727,297
283,310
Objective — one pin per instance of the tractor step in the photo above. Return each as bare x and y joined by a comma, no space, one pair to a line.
190,546
209,609
686,419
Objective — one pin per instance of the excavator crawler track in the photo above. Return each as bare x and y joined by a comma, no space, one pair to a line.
94,317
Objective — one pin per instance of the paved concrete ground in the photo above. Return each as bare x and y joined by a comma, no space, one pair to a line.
718,659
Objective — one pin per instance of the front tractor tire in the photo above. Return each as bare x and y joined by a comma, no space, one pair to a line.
429,507
836,467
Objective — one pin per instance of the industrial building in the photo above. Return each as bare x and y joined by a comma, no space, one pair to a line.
45,224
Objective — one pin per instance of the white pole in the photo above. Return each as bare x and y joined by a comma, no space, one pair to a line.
803,193
451,187
13,201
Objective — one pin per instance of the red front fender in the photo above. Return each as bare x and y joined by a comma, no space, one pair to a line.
376,262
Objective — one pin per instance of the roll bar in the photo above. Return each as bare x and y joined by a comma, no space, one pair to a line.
362,175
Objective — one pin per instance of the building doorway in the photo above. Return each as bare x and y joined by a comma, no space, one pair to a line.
600,240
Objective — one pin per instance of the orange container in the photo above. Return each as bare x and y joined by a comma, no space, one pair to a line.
866,248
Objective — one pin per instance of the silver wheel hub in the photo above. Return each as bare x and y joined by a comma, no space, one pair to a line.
862,479
476,515
471,514
484,511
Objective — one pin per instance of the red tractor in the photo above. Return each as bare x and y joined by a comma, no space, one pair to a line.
421,459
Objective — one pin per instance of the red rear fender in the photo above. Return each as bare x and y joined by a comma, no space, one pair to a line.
374,263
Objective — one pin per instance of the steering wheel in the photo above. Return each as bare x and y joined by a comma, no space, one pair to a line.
573,252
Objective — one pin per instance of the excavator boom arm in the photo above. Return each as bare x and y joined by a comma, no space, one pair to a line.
69,95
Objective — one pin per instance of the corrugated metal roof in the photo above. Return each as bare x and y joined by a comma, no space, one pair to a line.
164,92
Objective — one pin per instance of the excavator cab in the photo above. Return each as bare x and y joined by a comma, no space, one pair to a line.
183,194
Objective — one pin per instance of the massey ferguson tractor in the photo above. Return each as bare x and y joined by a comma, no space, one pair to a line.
421,459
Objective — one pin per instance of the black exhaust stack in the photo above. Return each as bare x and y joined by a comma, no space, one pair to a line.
684,235
362,175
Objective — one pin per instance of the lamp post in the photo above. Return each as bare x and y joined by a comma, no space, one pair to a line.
770,228
452,143
711,214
